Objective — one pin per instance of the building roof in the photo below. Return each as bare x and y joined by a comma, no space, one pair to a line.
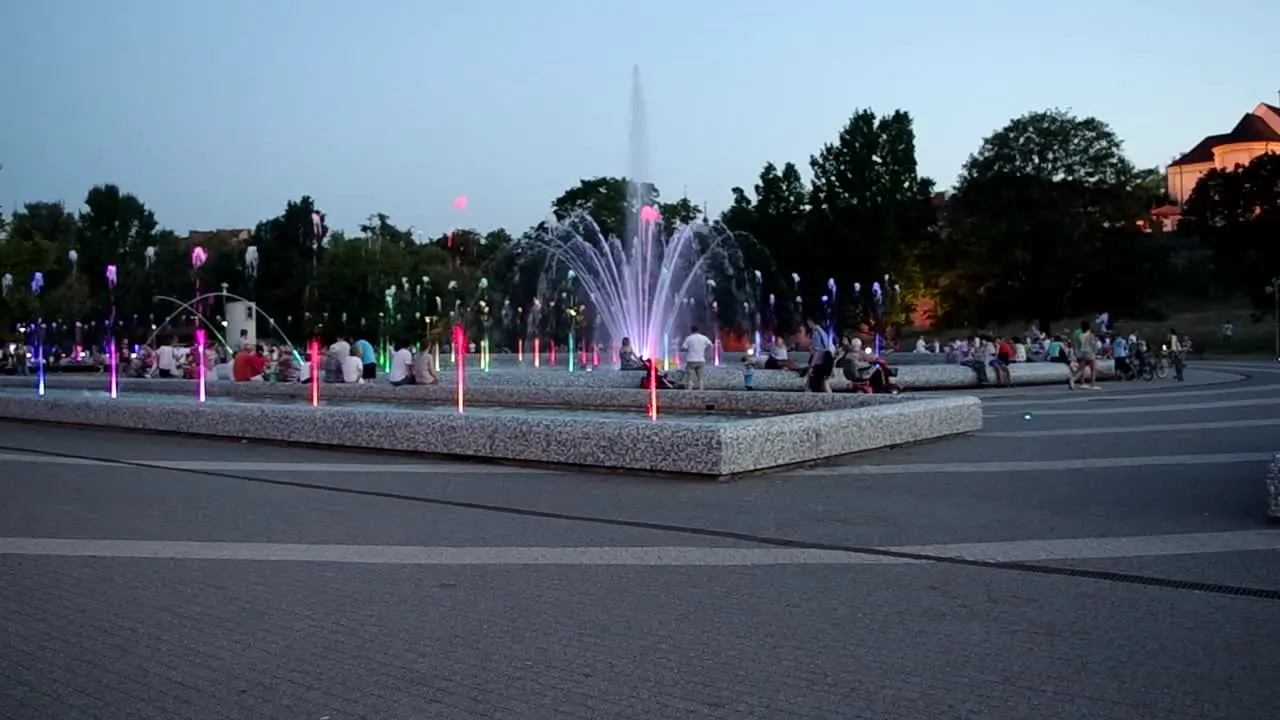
1251,128
199,237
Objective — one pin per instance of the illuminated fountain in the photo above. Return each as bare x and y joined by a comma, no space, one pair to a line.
646,285
192,305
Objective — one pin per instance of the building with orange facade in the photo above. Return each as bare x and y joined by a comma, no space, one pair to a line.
1257,132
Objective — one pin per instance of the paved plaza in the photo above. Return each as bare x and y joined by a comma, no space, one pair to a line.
1089,554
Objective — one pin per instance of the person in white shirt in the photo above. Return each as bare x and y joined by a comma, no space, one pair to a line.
166,363
779,356
401,372
1176,356
340,349
695,358
352,367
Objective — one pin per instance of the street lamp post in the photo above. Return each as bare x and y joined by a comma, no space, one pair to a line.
1274,291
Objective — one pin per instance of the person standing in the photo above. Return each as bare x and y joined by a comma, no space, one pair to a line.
1175,354
1120,352
1084,348
695,358
822,359
166,359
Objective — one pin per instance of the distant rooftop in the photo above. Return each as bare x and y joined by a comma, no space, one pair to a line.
1253,127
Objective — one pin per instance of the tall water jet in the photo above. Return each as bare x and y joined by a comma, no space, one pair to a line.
644,283
639,184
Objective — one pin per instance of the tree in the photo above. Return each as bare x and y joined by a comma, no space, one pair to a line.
1043,211
870,212
1236,214
290,247
775,219
606,200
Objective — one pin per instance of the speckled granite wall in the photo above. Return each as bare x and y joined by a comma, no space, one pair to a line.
673,444
1273,487
800,438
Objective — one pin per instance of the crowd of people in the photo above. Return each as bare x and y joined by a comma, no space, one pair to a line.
1079,349
355,361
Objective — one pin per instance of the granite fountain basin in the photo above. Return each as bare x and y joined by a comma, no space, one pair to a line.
712,434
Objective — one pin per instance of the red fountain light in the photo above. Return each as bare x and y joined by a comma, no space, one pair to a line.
315,373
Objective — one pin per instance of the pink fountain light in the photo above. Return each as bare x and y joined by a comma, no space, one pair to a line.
460,202
200,370
649,214
460,342
315,373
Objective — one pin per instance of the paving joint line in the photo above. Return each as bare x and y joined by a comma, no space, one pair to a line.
1023,567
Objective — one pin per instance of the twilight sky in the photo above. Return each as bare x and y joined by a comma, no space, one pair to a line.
215,114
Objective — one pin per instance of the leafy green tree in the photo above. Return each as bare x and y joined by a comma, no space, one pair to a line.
775,221
1044,213
44,232
113,227
607,201
290,247
1236,214
870,211
680,212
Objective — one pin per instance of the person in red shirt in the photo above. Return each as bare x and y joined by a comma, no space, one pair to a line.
1004,356
249,364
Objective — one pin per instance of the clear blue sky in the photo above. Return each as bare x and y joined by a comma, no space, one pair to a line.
215,114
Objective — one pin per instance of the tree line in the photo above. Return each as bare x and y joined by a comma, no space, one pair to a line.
1048,219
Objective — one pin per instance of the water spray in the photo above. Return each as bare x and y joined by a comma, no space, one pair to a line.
200,362
113,359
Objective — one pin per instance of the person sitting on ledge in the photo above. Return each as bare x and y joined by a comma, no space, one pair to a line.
401,372
249,364
627,358
424,370
779,356
352,367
